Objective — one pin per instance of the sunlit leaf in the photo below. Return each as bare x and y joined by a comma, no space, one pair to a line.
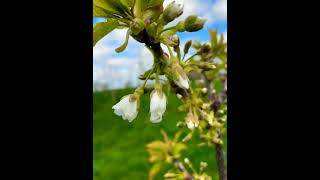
213,37
128,3
157,151
100,12
177,148
112,6
124,45
101,29
155,169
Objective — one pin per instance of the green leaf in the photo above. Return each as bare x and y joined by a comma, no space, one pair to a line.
213,37
177,148
106,5
157,151
127,3
221,38
177,136
124,45
112,6
101,29
100,12
155,169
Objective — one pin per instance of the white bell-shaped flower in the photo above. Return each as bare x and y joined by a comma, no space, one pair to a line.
127,108
179,76
157,105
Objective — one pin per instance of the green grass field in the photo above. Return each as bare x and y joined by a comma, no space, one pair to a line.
119,146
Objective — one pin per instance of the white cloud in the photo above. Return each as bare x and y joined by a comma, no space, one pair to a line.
116,70
219,9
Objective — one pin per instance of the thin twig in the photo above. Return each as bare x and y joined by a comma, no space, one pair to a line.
219,148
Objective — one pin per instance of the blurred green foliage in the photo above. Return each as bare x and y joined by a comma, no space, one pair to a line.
119,147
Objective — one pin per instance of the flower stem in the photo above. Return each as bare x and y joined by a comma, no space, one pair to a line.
167,29
191,57
147,78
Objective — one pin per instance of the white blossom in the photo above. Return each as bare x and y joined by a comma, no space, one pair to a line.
126,109
157,106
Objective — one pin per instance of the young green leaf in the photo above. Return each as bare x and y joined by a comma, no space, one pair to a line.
101,29
100,12
155,169
124,45
127,3
113,6
106,5
213,37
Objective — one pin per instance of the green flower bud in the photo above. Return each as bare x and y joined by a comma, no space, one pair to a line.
170,175
207,66
137,26
205,48
196,45
194,23
152,30
179,76
187,46
171,40
203,165
180,27
172,11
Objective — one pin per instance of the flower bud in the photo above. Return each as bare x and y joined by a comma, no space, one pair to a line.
180,27
186,160
187,46
179,76
191,120
203,166
204,90
137,26
205,48
194,23
207,66
196,45
152,30
172,11
170,175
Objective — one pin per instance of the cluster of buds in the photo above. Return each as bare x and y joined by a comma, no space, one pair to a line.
191,24
144,19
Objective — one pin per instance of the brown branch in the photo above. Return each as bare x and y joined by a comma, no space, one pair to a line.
158,52
219,148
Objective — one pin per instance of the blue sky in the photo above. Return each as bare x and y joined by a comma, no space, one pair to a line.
114,70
